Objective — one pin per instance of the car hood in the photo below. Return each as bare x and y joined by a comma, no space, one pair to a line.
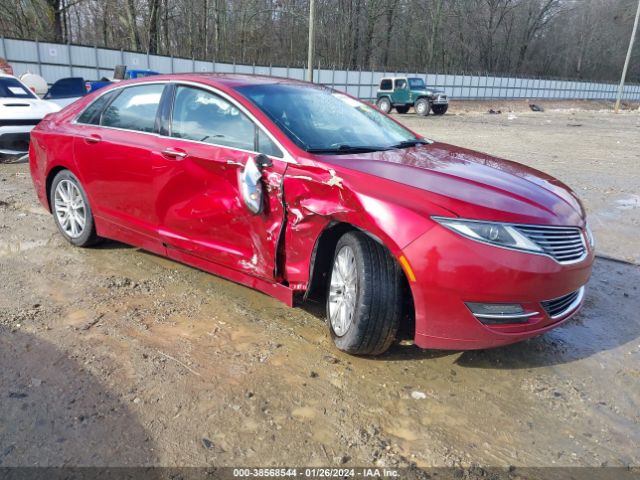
428,91
472,184
25,108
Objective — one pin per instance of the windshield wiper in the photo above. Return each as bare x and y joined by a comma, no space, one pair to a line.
345,149
410,143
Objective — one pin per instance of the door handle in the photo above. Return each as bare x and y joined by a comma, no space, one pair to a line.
174,153
93,138
234,163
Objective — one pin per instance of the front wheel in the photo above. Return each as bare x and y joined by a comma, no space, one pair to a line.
422,107
364,301
384,105
71,210
440,109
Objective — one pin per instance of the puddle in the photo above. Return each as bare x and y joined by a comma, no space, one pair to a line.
305,413
12,247
403,433
628,203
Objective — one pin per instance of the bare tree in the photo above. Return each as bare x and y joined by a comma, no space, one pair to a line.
574,38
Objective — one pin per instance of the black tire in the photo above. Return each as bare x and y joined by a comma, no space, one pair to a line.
384,104
87,235
402,108
422,107
378,297
440,109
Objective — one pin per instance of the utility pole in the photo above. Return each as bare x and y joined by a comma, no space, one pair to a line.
311,40
626,62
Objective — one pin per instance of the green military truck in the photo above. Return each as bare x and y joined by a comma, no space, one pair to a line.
402,93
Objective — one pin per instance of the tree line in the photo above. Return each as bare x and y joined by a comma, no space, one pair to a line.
582,39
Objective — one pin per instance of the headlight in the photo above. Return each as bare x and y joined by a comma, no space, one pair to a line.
592,240
499,234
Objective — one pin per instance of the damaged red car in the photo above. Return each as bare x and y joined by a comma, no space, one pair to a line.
295,189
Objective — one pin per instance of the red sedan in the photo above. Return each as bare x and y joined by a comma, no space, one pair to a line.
293,188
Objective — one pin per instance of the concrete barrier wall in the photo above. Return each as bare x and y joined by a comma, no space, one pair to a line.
54,61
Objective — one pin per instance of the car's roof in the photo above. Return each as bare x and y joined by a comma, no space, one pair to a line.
400,77
229,80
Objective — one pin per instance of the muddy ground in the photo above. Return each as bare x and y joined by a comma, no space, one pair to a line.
113,356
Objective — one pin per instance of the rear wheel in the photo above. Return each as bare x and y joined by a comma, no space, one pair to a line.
71,210
440,109
384,104
422,107
364,302
402,109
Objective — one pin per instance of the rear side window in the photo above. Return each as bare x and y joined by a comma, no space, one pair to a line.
91,114
386,85
135,108
205,117
12,88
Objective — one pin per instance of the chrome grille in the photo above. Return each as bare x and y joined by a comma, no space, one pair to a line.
560,306
565,244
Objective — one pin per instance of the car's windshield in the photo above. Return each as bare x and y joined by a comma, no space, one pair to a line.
12,88
416,84
322,120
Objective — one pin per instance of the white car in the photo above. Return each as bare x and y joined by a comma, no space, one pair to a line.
20,111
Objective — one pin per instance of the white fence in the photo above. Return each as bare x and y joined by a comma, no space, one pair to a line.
54,61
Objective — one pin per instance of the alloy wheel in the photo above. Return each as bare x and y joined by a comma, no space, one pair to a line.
343,290
70,209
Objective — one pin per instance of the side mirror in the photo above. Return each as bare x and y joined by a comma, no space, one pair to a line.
251,185
262,161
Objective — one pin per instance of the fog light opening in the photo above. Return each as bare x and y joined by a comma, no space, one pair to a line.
499,313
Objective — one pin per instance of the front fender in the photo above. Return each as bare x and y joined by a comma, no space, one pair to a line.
319,196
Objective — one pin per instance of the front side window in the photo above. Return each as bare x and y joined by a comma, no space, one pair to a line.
12,88
320,119
135,108
91,114
205,117
402,83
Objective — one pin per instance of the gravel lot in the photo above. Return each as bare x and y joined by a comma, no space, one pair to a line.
113,356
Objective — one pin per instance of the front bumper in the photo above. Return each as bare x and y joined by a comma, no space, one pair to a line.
451,270
440,100
14,140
